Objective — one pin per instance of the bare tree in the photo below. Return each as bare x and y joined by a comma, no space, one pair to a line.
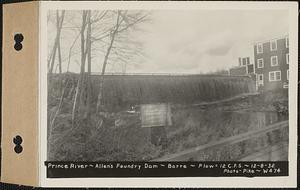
88,36
82,70
113,37
102,34
89,60
56,46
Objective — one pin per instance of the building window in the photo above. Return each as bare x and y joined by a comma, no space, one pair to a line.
260,79
287,74
273,45
248,60
245,61
250,68
274,61
260,63
287,57
259,47
240,61
274,76
287,42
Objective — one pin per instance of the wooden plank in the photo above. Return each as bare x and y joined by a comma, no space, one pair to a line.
244,95
155,115
225,141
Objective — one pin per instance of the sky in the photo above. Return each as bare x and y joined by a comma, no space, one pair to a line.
201,41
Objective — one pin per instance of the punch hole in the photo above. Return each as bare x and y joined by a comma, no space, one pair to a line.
18,38
18,149
17,140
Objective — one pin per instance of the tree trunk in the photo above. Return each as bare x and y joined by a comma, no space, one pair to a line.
82,69
113,35
59,22
56,114
59,58
89,60
70,50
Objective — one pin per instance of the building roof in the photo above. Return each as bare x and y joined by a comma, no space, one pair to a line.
268,40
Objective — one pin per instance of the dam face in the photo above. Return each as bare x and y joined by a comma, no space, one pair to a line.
121,91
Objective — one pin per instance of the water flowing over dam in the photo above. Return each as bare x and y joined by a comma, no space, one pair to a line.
121,91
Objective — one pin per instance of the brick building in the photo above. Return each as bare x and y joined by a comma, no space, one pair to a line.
245,67
271,64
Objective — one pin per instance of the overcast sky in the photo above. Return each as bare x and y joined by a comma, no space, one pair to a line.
204,41
200,41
